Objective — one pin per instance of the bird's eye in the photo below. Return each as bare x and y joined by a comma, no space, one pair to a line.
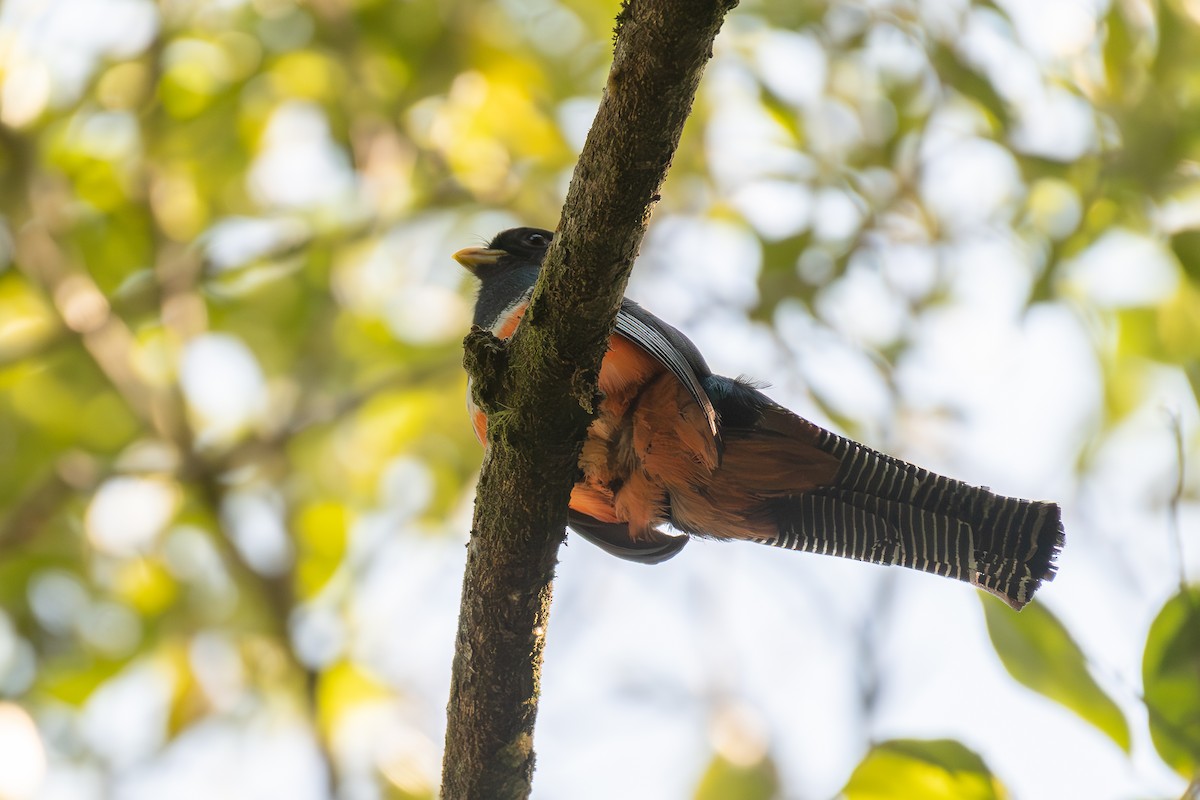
536,240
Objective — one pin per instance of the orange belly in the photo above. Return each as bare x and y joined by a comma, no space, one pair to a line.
649,435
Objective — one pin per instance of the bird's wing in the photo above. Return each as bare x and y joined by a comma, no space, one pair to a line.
673,350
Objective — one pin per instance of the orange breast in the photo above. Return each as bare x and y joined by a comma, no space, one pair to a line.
649,434
509,326
648,437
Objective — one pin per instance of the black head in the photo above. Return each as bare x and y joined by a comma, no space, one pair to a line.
506,268
510,249
528,244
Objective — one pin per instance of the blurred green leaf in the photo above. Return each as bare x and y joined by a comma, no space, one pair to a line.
1038,651
189,703
1171,682
342,687
1125,383
726,780
783,114
971,83
1137,333
937,769
72,680
1186,246
411,789
1179,323
321,533
1192,370
1118,46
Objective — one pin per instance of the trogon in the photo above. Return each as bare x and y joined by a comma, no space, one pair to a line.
675,445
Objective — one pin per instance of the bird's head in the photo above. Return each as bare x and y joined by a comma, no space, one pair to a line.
508,250
507,269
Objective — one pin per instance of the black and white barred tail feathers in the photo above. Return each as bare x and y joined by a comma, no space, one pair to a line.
886,511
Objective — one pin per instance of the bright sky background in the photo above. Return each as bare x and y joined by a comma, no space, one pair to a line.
727,646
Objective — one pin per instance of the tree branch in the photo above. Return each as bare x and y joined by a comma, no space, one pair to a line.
540,389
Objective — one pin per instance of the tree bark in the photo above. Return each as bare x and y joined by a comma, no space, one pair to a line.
539,390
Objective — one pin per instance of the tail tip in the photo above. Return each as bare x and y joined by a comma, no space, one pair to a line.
1041,566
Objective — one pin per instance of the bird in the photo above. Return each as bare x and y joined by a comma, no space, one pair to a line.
674,445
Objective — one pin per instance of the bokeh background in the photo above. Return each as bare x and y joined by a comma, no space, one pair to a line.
236,472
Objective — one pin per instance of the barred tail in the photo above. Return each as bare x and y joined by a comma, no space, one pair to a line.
886,511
